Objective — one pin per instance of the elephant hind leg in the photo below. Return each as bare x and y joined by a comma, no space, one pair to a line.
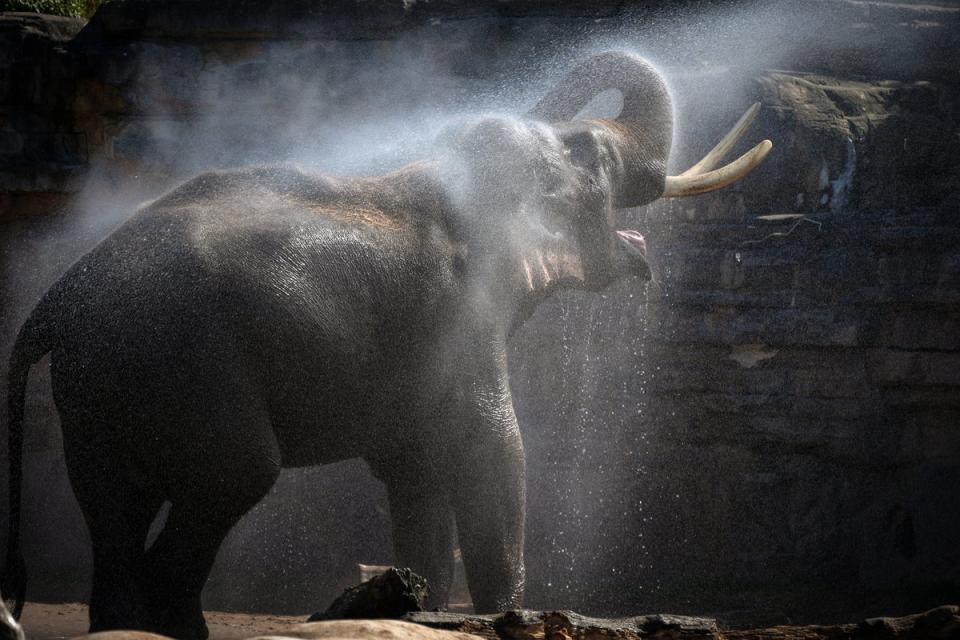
222,479
177,566
116,597
118,507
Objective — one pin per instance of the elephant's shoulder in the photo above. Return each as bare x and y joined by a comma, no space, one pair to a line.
284,222
268,200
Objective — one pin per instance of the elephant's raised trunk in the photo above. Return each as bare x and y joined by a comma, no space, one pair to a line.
643,131
644,128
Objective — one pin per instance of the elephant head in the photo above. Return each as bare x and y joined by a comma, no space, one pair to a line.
553,187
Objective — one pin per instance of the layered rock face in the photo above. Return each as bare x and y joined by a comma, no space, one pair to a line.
41,151
769,431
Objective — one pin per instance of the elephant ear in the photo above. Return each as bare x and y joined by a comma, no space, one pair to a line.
641,134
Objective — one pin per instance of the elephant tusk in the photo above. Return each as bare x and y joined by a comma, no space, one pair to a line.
723,147
691,185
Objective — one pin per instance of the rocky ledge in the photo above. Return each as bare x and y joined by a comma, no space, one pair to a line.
942,622
937,624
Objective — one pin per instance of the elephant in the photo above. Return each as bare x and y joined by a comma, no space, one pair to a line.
266,317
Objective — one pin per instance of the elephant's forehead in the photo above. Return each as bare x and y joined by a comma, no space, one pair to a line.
502,138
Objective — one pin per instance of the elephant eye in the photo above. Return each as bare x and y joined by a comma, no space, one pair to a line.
581,148
552,213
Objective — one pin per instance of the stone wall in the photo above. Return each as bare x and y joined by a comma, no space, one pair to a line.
41,151
795,378
768,431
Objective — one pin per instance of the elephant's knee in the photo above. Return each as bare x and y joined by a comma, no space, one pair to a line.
245,485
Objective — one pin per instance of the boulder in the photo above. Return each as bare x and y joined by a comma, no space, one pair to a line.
846,145
389,595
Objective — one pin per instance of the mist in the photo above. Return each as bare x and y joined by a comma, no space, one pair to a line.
358,108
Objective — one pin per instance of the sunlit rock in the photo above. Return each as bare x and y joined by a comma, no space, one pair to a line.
391,594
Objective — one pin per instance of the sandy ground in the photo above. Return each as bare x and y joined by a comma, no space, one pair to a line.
49,621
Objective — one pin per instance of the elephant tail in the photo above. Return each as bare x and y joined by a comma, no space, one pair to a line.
33,341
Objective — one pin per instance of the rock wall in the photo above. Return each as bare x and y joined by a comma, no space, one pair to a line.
768,431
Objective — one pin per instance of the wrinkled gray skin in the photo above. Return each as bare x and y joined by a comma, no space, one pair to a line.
263,318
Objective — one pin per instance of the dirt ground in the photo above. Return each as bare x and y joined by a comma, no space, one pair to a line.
50,621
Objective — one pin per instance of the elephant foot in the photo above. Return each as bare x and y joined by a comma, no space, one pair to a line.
182,625
121,610
176,617
184,632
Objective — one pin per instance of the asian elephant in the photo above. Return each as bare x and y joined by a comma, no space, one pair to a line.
260,318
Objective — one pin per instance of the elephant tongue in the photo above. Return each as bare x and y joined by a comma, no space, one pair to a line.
634,240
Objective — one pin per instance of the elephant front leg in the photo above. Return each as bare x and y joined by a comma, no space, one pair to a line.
489,499
422,526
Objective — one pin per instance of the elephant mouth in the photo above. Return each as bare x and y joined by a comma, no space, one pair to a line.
634,251
633,241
